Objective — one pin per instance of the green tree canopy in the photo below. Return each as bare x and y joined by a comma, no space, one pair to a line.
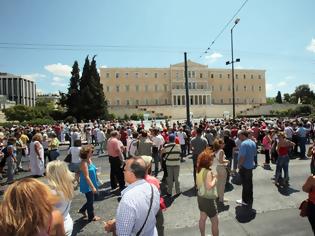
278,97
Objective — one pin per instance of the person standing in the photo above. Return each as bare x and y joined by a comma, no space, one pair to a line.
182,141
140,202
101,141
60,180
246,157
37,162
302,133
88,182
116,160
156,150
267,140
207,206
172,157
197,144
309,187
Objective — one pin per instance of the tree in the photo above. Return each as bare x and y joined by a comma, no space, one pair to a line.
286,98
73,91
278,97
100,104
19,113
304,93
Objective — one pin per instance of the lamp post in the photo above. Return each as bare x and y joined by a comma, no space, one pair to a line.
232,62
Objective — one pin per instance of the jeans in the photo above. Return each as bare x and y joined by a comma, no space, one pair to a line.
282,163
267,156
247,183
101,149
88,206
182,150
194,158
156,159
53,154
235,160
302,142
116,173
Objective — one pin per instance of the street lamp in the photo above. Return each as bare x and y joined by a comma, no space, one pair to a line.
232,62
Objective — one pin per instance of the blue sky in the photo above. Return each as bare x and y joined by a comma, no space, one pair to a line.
41,38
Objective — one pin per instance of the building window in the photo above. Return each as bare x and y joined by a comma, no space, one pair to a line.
220,76
230,100
177,77
146,102
146,75
127,88
155,75
117,75
177,86
137,75
189,74
229,88
193,74
126,75
212,88
194,85
156,102
117,102
107,88
165,87
259,88
200,75
211,76
236,76
201,86
259,76
245,88
236,89
137,88
228,76
251,76
127,102
137,102
165,101
221,101
244,76
253,88
146,88
221,87
117,88
107,75
156,88
165,75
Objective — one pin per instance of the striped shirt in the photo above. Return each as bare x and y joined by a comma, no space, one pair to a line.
172,154
133,209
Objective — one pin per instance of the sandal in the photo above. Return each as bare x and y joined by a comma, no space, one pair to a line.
95,218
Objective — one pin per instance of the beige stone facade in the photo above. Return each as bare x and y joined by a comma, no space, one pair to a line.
128,89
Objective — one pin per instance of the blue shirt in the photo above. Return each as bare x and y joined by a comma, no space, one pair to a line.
84,187
301,131
133,209
248,150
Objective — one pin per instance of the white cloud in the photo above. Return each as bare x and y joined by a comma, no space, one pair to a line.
58,83
289,77
34,77
281,84
312,86
269,87
39,91
311,46
213,57
239,67
57,79
59,69
103,66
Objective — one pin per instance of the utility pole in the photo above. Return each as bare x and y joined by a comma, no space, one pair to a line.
187,91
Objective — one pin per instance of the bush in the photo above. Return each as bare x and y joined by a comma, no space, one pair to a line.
39,121
111,116
70,119
134,116
126,117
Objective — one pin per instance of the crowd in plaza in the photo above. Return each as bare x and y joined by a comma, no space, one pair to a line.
221,151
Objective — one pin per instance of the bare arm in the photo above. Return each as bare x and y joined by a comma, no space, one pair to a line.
308,184
211,180
57,227
222,160
37,147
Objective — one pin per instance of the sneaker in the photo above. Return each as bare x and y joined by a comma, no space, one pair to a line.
241,202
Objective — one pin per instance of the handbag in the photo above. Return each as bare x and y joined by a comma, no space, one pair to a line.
204,192
303,207
68,158
310,151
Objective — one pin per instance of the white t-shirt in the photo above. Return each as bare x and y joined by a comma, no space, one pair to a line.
75,154
181,136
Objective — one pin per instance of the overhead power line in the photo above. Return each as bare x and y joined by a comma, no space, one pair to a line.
224,28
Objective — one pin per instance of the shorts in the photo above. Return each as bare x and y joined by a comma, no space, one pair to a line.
74,167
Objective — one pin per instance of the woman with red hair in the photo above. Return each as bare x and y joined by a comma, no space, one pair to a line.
206,184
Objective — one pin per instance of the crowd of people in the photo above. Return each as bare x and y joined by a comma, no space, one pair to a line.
220,151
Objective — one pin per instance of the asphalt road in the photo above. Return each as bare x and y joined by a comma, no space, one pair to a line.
276,209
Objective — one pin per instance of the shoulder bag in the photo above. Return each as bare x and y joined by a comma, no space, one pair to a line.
151,200
204,192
